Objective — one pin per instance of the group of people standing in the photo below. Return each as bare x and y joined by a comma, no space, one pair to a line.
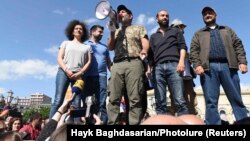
216,54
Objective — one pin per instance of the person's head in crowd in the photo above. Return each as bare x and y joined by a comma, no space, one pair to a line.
162,18
15,124
178,24
96,32
7,121
44,122
125,15
163,120
3,126
10,136
191,119
172,120
70,29
209,16
36,120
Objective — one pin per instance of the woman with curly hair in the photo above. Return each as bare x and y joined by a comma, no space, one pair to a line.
74,58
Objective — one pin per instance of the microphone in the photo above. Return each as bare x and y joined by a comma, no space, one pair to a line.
89,101
77,88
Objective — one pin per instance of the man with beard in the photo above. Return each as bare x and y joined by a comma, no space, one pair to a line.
96,76
217,54
166,57
130,45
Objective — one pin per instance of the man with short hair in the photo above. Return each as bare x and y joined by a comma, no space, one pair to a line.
217,54
96,76
167,55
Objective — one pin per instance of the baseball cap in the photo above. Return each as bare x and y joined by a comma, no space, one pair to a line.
123,7
207,8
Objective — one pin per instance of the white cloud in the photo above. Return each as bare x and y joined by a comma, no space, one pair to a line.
153,30
18,69
144,20
59,12
53,50
151,20
91,20
69,10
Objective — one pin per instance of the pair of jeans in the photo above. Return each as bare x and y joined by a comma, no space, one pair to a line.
165,74
98,85
220,73
62,84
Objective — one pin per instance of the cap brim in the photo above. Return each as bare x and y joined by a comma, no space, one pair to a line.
123,7
207,9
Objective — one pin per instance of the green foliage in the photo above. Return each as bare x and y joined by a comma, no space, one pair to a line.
44,111
28,113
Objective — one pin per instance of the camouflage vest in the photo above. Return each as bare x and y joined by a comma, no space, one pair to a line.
128,41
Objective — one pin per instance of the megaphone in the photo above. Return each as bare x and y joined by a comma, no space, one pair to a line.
103,10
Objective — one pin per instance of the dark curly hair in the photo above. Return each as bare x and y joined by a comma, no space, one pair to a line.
70,28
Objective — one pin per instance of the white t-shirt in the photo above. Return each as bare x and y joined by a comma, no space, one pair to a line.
75,55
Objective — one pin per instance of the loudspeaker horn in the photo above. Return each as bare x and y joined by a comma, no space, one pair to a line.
103,10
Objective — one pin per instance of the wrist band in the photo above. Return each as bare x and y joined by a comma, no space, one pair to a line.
60,112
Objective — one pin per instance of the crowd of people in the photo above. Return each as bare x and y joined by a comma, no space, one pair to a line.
216,54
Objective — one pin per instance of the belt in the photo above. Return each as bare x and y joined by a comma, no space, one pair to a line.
168,61
117,60
218,61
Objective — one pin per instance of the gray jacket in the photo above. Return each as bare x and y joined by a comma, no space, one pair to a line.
200,46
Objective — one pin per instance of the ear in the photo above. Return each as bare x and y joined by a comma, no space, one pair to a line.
131,17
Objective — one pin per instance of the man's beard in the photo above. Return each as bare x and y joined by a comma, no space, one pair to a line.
163,24
98,38
210,22
125,19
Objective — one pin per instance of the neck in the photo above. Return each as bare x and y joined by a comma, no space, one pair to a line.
77,40
33,125
124,25
93,39
163,28
211,24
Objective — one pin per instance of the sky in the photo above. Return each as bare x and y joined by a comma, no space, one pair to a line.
32,30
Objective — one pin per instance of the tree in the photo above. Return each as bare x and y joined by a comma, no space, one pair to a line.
44,111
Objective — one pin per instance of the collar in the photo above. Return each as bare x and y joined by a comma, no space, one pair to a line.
216,27
158,30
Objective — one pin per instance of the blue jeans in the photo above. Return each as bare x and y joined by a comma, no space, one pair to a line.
98,85
62,84
165,74
220,73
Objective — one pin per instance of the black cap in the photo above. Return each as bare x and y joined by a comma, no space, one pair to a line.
123,7
207,8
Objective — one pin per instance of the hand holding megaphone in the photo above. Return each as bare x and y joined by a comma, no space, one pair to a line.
111,26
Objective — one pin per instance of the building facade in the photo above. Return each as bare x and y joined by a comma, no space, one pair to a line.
224,105
36,99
